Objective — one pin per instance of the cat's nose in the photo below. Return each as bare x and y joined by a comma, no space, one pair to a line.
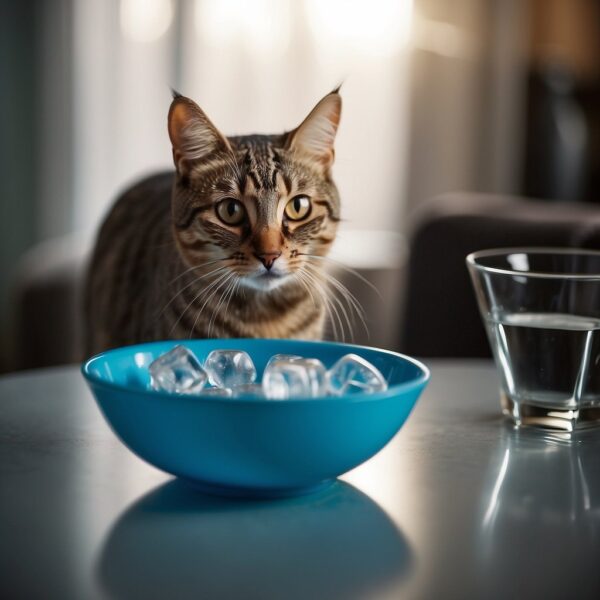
268,258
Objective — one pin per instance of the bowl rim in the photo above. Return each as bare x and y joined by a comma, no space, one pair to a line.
391,391
474,256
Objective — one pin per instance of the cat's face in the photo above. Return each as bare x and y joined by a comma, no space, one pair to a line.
259,206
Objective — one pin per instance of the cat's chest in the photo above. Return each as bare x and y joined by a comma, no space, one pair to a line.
301,319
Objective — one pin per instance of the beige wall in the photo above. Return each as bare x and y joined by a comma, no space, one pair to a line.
569,31
467,97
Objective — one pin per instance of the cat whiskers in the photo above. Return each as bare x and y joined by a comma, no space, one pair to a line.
220,276
298,275
232,284
346,295
336,303
214,288
330,308
195,280
226,285
344,267
206,264
342,288
342,297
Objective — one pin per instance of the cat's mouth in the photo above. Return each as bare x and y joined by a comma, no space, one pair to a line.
270,275
265,280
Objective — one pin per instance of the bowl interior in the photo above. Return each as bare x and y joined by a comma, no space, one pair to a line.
127,367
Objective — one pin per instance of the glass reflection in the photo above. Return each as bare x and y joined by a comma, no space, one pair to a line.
338,543
540,524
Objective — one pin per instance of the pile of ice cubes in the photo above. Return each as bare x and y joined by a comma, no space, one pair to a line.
231,373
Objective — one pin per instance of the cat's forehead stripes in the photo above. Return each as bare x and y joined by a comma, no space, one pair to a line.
264,175
261,162
265,182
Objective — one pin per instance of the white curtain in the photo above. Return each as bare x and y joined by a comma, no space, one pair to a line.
254,66
433,94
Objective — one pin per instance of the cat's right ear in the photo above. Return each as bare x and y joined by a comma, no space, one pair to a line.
193,137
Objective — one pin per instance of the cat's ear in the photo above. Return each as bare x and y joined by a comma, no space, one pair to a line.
193,136
316,134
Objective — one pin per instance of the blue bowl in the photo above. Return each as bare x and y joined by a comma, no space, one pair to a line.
252,447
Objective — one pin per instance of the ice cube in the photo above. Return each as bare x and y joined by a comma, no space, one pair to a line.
248,390
277,357
228,368
295,378
216,392
353,374
177,371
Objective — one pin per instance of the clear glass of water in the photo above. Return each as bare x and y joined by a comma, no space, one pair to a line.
541,309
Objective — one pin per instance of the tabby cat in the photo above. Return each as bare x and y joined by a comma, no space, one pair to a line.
227,246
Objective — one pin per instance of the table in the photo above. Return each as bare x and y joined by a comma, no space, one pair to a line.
458,505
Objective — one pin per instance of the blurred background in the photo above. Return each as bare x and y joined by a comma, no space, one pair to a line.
466,124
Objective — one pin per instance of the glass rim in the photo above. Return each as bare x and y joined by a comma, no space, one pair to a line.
472,258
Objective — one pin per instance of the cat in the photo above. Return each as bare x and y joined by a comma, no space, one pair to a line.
228,245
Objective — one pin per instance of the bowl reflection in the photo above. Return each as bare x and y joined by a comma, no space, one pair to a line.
175,542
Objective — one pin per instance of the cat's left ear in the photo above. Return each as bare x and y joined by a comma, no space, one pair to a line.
316,134
193,136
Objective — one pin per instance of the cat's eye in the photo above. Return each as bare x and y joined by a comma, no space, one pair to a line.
231,211
298,208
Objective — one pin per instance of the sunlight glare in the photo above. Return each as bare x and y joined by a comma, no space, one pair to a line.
263,26
145,20
373,27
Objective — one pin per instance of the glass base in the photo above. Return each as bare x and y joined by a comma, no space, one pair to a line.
550,418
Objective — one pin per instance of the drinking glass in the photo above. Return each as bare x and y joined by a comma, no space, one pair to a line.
541,310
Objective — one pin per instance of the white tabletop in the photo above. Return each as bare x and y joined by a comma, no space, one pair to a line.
458,505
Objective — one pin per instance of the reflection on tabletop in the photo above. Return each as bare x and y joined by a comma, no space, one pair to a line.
540,522
337,543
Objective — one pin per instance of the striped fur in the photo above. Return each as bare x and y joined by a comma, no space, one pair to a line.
165,266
